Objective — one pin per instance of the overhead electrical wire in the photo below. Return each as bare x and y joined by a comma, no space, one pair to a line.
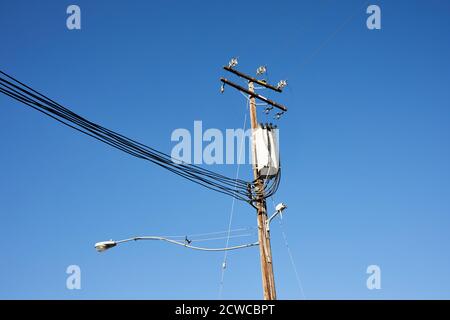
221,238
215,233
237,188
230,219
187,245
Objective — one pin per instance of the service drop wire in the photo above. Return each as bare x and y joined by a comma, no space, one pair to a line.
120,144
237,188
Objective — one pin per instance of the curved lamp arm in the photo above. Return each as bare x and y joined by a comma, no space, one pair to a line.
279,211
105,245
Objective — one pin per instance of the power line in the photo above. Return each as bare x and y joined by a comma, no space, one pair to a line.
236,188
212,233
254,192
186,245
225,257
225,237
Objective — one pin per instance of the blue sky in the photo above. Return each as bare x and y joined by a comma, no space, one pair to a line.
364,147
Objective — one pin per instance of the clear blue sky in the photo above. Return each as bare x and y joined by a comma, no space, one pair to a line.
364,146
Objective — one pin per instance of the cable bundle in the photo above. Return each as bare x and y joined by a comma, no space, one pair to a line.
239,189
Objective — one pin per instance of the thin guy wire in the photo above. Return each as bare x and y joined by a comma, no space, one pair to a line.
225,257
291,257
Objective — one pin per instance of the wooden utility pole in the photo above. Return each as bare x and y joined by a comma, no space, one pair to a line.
268,280
265,250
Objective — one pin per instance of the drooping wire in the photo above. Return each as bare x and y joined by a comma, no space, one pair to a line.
238,189
192,236
186,244
118,139
230,220
225,237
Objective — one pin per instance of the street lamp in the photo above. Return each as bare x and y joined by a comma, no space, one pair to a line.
279,211
105,245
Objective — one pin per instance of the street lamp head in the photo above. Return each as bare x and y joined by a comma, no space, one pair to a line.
105,245
280,207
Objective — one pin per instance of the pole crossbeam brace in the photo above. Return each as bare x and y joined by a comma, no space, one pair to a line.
254,95
259,82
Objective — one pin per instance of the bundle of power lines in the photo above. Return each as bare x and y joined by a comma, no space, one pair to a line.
239,189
